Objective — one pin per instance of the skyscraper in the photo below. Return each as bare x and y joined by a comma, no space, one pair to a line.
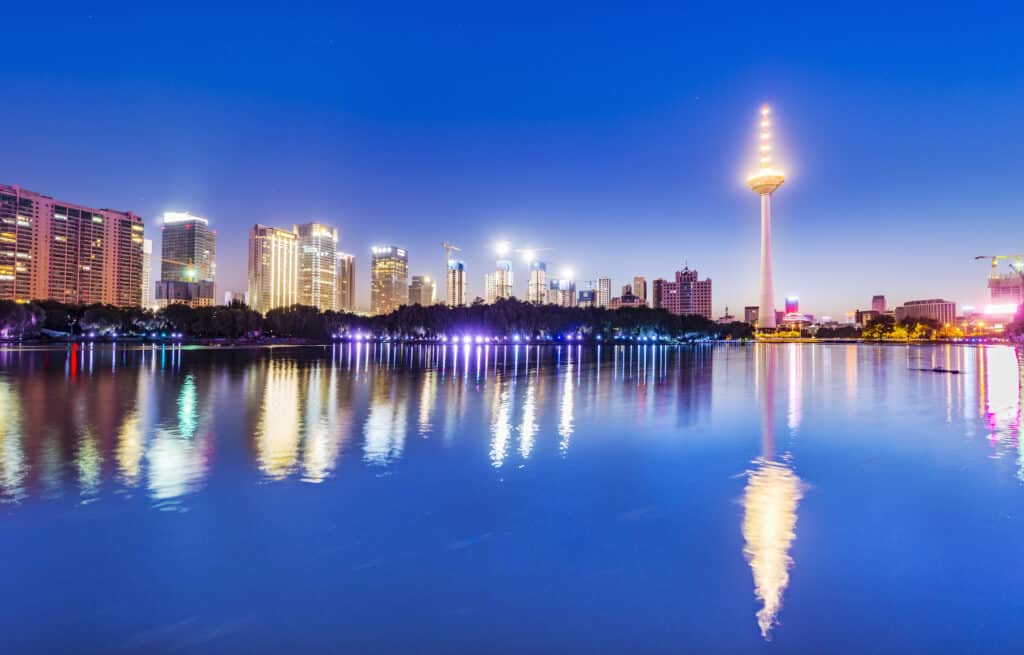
455,287
562,292
273,268
687,294
318,250
422,291
389,279
537,285
188,260
147,273
658,292
604,291
499,283
878,304
345,282
54,250
640,287
764,182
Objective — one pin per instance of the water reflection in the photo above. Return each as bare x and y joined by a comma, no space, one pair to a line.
771,497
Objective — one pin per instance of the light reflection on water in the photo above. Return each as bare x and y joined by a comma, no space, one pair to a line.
89,423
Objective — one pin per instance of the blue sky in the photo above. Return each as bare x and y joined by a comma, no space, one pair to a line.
616,135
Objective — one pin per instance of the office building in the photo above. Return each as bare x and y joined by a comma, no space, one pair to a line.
55,250
422,291
188,257
498,284
687,294
627,300
273,268
455,284
318,252
864,317
561,292
878,304
750,313
658,293
792,305
345,282
604,291
537,287
936,309
640,287
389,279
586,298
148,288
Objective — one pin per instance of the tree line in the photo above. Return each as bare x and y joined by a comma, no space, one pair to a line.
235,321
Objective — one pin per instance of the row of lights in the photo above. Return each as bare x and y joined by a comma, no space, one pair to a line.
487,340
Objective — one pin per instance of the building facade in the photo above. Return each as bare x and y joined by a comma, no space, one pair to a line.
640,287
537,285
54,250
604,291
345,283
936,309
318,253
188,260
627,300
498,284
878,304
562,293
148,289
389,279
687,295
273,268
658,293
455,284
750,313
422,291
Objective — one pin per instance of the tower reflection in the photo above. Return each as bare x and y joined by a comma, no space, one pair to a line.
770,502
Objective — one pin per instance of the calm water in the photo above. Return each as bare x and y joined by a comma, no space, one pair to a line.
778,499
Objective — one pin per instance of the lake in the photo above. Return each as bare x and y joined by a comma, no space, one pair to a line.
360,498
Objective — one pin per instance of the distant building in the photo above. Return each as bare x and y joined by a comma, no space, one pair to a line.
863,317
750,314
273,268
498,284
878,304
148,289
658,293
175,292
389,279
188,257
422,291
235,296
604,291
318,254
792,305
537,286
727,317
687,295
627,300
455,285
627,290
640,287
936,309
55,250
562,292
345,282
586,298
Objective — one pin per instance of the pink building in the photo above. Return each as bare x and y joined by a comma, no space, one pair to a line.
54,250
686,295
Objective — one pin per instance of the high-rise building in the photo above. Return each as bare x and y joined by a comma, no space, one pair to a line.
750,314
764,182
537,285
792,305
627,290
561,292
273,268
586,298
658,292
936,309
455,284
640,287
878,304
499,283
318,251
54,250
604,291
687,294
422,291
148,289
345,283
389,279
188,256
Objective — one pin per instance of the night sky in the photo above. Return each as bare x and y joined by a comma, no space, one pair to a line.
619,136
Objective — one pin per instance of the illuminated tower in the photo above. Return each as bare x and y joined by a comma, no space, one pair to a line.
764,182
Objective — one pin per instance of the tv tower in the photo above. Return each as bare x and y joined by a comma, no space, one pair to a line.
764,182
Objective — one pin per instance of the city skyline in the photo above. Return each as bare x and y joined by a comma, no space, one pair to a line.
388,164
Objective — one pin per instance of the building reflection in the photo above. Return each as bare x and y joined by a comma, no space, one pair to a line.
770,502
277,430
385,428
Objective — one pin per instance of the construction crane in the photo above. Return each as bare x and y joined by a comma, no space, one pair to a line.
448,248
1017,261
1001,289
